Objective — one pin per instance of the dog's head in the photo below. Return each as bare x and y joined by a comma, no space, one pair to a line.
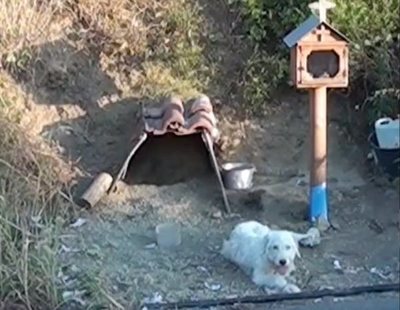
281,250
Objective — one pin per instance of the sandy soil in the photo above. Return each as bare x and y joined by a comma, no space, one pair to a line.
117,243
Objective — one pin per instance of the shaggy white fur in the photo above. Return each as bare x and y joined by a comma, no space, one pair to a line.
266,255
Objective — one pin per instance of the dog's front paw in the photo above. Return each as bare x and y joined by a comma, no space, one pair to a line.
291,288
270,291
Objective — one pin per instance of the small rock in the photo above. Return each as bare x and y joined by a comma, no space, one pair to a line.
323,224
156,298
78,223
217,215
337,299
334,224
114,98
326,287
235,142
337,266
66,249
381,274
352,270
213,287
301,182
67,295
203,269
356,190
232,296
95,252
75,296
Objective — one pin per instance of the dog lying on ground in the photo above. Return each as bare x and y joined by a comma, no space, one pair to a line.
266,255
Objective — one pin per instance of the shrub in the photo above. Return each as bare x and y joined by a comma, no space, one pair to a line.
373,28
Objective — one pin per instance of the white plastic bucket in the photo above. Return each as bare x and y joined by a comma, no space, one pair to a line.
388,133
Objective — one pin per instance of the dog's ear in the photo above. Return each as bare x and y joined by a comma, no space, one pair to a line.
296,246
266,243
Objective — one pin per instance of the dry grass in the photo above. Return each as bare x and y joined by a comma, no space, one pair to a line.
31,211
26,22
135,39
148,47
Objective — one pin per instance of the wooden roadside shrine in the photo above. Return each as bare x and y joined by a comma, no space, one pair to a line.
318,60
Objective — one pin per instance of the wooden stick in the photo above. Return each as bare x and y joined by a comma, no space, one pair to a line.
209,145
122,173
96,190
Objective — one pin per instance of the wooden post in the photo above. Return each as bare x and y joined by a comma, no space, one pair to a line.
317,36
318,163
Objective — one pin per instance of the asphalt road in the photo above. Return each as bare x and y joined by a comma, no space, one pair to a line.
366,302
375,303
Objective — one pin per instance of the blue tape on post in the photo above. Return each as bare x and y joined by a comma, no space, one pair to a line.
319,202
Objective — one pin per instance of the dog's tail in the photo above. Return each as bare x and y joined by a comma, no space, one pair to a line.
226,250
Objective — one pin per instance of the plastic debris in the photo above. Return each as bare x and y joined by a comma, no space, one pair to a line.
379,273
156,298
150,246
212,287
74,296
336,265
78,223
65,249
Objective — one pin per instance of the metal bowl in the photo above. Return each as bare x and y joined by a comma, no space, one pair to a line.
237,175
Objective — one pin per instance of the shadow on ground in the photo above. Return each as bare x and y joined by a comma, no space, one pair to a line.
92,126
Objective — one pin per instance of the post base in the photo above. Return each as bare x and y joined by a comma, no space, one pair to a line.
318,203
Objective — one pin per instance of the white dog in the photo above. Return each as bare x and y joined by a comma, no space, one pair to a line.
264,254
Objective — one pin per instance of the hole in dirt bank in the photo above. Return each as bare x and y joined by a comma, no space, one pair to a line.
169,159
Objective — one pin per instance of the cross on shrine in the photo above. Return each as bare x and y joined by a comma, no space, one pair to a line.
321,6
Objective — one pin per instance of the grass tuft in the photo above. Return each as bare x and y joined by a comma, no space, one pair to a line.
32,211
